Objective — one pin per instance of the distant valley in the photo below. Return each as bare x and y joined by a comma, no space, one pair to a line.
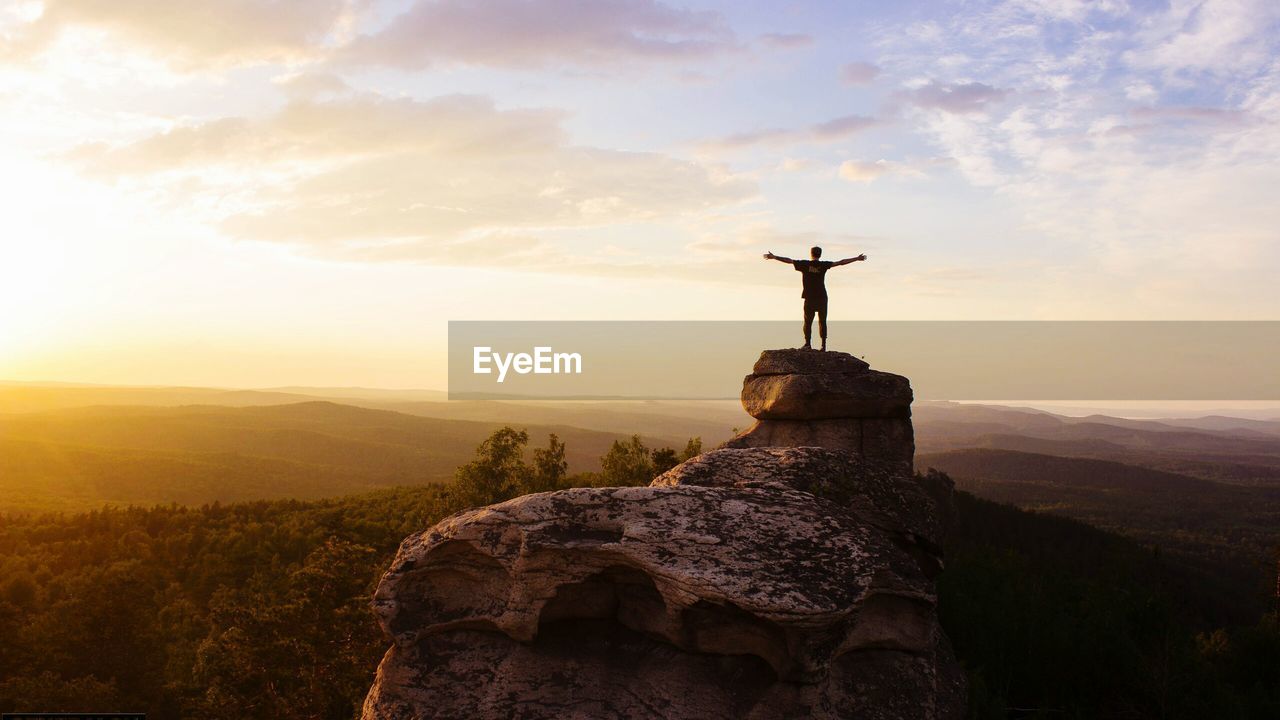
1206,489
83,458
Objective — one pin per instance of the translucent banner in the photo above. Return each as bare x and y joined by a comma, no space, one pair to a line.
989,360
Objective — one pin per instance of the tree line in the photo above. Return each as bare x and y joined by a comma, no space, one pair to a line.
261,609
499,470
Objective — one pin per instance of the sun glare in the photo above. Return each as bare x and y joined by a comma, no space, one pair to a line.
39,284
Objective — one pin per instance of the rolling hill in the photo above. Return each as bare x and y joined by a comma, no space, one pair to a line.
1229,532
1220,452
82,458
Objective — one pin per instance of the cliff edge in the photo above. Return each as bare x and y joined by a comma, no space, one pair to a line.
764,579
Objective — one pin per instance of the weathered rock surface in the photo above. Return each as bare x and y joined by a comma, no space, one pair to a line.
886,439
875,490
805,362
833,400
867,394
752,582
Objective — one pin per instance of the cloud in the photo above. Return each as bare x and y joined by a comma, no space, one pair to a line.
1191,113
1141,91
1066,10
859,73
515,34
359,128
498,248
750,242
866,171
787,41
842,127
947,281
370,176
311,84
1217,36
794,164
523,34
828,131
863,171
1130,208
968,97
190,35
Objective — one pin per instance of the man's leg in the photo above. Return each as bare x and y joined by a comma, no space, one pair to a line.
808,324
822,323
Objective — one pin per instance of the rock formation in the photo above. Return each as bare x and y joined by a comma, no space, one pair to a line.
752,581
833,400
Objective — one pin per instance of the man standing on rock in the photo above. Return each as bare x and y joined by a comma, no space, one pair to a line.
814,272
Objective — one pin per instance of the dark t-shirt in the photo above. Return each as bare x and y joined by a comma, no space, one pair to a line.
813,272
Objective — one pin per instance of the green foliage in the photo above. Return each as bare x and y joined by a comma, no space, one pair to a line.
1226,532
1053,618
49,692
631,463
256,610
627,463
260,610
498,471
549,466
256,631
664,459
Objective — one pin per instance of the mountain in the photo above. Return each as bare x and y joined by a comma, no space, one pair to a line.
1003,467
711,420
1218,452
85,457
42,397
1227,531
1222,422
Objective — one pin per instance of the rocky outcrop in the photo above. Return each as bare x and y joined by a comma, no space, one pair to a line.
755,582
827,399
910,512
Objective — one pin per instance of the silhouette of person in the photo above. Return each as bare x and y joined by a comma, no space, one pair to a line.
814,273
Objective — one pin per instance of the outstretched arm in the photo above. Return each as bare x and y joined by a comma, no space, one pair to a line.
770,256
846,261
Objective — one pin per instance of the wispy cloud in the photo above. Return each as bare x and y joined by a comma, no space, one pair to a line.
190,35
521,34
1129,138
786,41
965,97
859,73
1215,36
748,242
1189,112
866,171
369,176
510,34
832,130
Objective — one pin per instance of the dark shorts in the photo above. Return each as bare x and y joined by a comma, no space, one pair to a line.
815,305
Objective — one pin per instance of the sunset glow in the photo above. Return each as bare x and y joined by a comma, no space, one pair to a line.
253,193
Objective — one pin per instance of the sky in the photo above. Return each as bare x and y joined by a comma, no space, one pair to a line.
252,193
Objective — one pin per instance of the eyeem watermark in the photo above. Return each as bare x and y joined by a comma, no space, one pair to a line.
543,361
972,360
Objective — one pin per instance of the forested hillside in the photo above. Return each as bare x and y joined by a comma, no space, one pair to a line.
80,459
1228,531
260,610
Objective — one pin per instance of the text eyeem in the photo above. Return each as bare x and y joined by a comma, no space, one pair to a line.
543,361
